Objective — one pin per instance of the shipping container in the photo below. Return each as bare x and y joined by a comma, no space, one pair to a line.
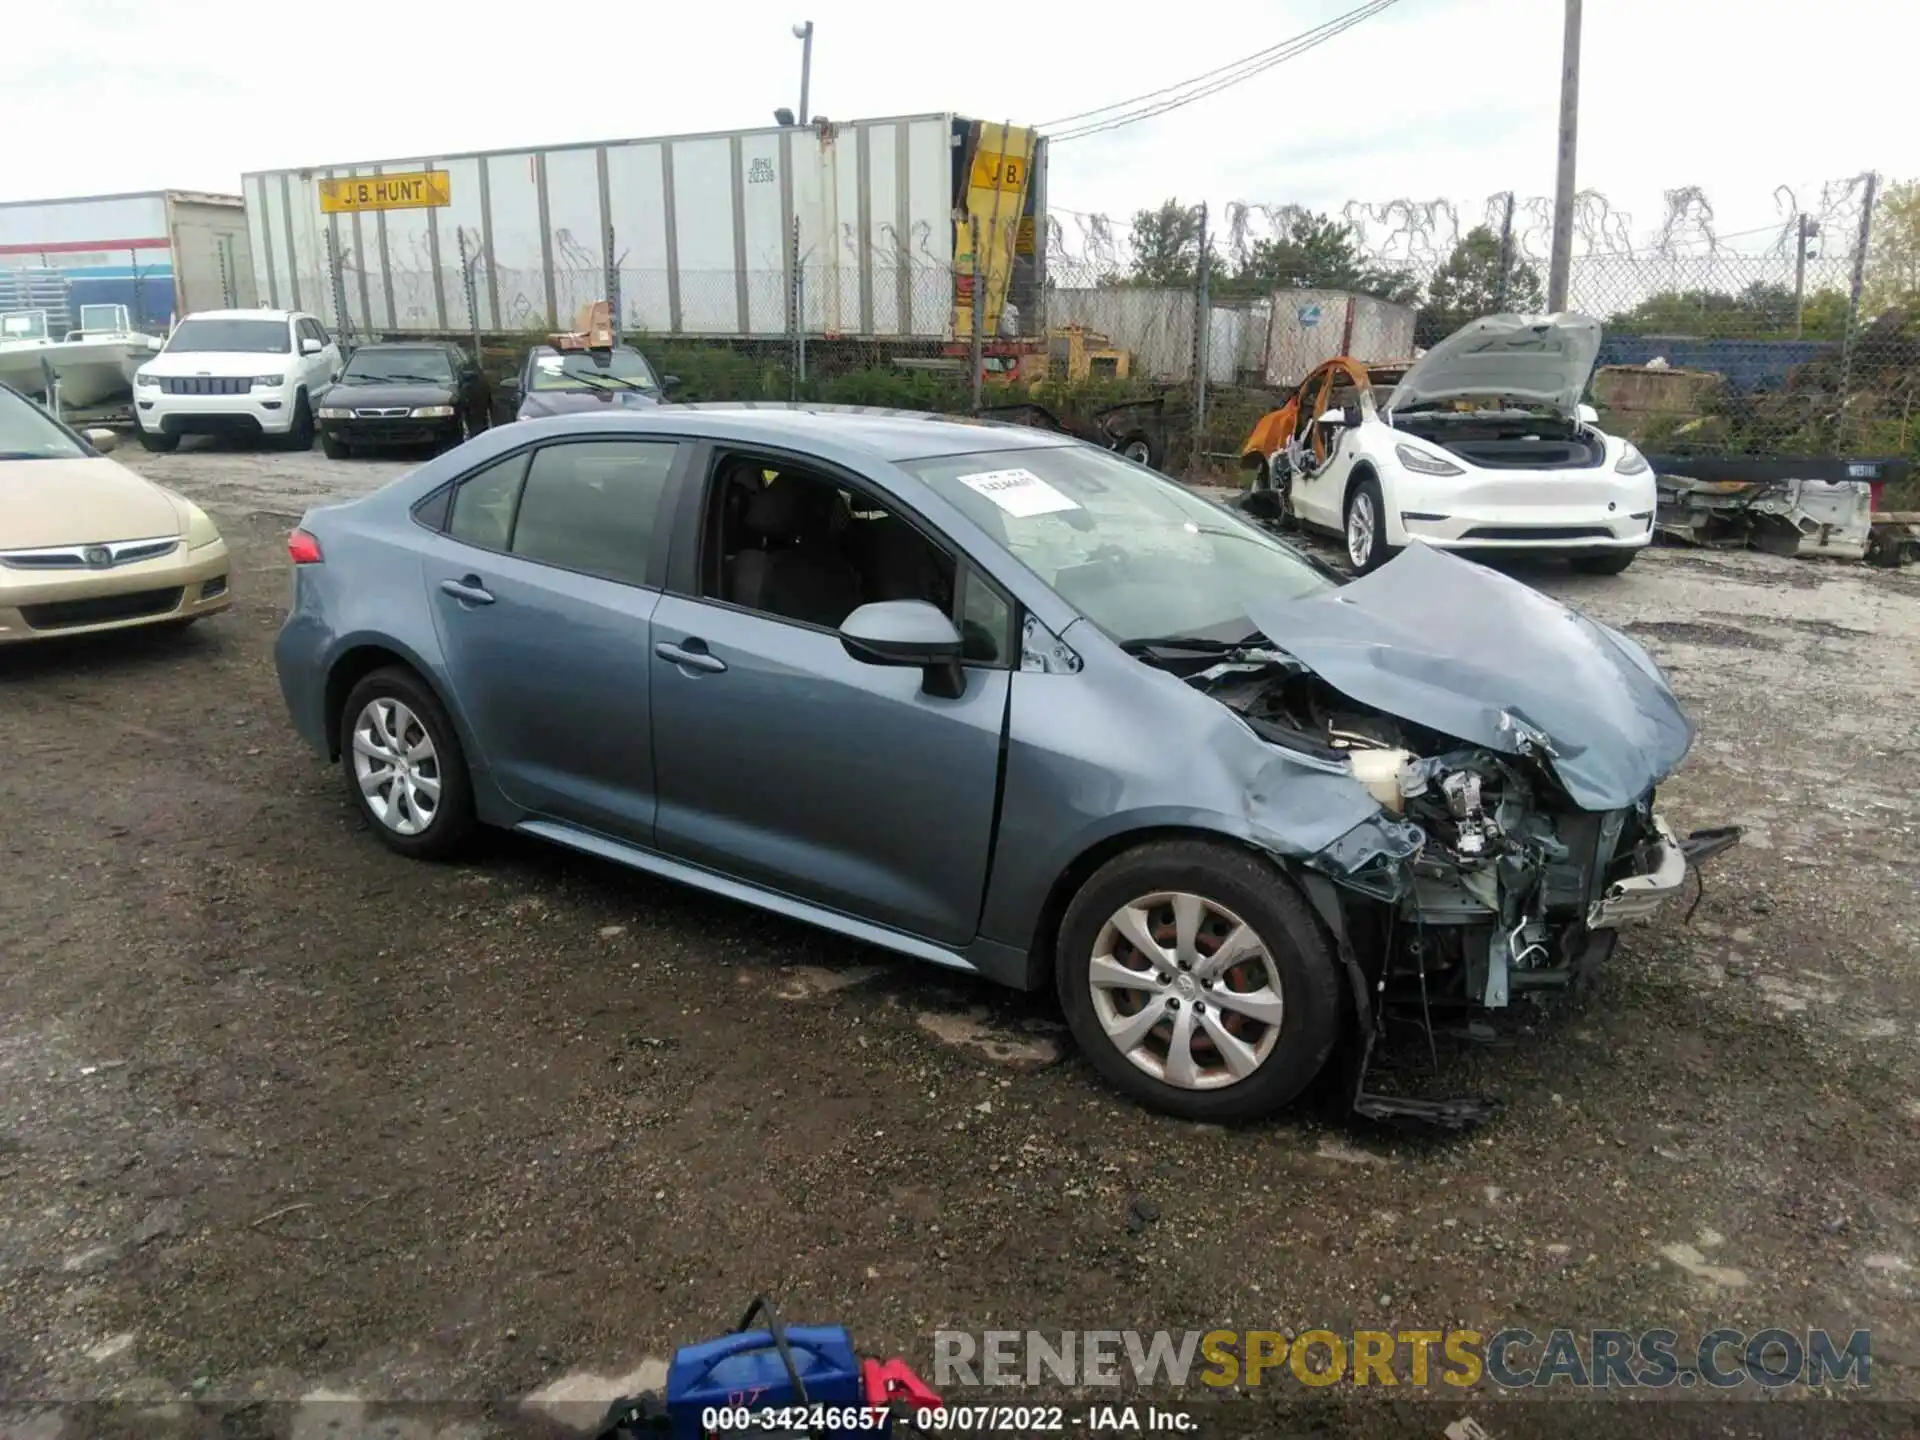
1310,327
850,226
160,253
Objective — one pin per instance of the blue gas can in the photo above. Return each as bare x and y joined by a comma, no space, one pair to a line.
745,1372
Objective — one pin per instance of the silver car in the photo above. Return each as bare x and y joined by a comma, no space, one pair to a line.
999,700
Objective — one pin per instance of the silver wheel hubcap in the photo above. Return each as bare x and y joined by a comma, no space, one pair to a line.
397,767
1137,453
1186,990
1360,528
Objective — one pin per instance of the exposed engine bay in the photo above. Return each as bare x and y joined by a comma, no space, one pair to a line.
1508,439
1514,889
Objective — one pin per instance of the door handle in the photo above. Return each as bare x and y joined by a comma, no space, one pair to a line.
690,658
468,590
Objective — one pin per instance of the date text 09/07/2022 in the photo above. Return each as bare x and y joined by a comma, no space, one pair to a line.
947,1419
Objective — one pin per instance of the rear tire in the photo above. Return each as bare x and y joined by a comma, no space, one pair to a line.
158,441
1365,528
1217,896
1611,563
335,449
403,766
300,437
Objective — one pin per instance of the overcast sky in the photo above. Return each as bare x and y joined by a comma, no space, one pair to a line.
1435,98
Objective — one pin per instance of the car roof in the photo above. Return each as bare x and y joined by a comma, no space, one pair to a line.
404,345
261,314
879,434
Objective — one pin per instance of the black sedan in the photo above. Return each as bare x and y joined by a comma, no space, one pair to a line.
402,394
561,382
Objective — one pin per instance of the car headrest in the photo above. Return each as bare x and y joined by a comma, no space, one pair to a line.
794,507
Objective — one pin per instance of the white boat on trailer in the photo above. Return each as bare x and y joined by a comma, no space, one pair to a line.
90,365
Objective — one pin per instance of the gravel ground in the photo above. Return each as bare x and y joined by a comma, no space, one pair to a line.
285,1117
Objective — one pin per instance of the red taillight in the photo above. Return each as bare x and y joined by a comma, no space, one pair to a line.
303,549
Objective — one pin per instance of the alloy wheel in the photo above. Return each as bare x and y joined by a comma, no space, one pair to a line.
1362,524
396,766
1186,990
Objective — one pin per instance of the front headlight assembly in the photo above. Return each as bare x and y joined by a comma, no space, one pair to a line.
200,528
1423,462
433,412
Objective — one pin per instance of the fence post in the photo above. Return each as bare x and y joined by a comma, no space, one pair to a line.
1506,256
1853,309
1202,347
338,284
979,315
467,289
613,286
797,316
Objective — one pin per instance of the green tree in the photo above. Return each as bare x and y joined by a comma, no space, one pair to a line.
1468,286
1893,251
1316,252
1762,311
1166,247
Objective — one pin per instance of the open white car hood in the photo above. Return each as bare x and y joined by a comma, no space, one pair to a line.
1533,359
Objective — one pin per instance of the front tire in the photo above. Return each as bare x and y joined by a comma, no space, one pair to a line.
158,441
403,766
1365,528
458,435
1613,562
1195,979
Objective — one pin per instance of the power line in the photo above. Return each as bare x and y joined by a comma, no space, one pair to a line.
1082,115
1186,92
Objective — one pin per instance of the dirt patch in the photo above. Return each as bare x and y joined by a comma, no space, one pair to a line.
1701,632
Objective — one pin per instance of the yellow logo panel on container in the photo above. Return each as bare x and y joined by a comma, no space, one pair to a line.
416,190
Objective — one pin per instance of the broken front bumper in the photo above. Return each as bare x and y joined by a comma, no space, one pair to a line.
1638,896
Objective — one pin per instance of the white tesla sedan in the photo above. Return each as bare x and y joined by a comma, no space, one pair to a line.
1482,445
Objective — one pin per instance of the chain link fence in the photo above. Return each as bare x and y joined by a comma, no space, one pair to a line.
1791,340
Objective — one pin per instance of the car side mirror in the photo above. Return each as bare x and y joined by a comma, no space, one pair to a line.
1587,415
510,389
310,346
907,632
669,382
102,440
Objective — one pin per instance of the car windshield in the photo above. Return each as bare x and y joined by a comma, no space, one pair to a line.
577,370
1134,552
27,433
383,367
247,337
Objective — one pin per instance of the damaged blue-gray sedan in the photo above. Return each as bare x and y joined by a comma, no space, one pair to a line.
997,699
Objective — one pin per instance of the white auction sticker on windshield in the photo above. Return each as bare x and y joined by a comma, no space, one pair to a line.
552,362
1020,493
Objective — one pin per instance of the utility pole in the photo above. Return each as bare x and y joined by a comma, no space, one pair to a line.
1562,262
1807,229
803,32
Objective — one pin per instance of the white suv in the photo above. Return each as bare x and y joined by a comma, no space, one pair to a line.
235,372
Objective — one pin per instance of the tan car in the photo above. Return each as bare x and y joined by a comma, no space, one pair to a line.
86,544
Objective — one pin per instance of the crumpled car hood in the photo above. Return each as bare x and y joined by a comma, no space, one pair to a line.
1541,359
1442,642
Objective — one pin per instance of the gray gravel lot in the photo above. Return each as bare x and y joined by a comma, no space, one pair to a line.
284,1116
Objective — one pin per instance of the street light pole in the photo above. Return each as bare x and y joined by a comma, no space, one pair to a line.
1562,260
804,34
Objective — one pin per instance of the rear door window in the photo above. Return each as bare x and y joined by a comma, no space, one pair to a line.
594,506
483,505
